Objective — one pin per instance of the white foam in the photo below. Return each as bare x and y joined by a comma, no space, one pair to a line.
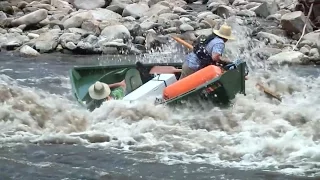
256,132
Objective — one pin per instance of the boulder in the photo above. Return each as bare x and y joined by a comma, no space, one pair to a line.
135,10
92,4
110,33
266,9
31,18
289,57
47,41
293,22
28,51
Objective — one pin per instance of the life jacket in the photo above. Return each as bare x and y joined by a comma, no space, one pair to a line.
200,50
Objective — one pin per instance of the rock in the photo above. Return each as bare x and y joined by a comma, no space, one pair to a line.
3,31
289,57
294,22
186,27
77,19
2,15
61,5
153,41
6,7
31,18
135,10
157,9
224,11
314,54
304,50
92,4
110,33
273,39
311,39
33,35
47,41
28,51
65,38
91,26
266,9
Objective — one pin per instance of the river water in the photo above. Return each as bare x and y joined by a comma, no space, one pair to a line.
46,135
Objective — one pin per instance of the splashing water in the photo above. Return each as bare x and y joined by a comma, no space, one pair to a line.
256,132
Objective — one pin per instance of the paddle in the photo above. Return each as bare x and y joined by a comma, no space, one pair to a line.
265,90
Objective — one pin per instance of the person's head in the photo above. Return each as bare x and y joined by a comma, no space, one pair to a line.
224,32
99,91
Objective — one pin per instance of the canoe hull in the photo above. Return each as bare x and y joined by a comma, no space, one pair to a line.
219,90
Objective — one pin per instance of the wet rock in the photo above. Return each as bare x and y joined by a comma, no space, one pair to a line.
135,10
28,51
31,18
48,41
311,39
293,22
115,32
92,4
289,57
6,7
69,40
267,8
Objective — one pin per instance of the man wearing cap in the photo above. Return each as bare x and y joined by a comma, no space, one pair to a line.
209,54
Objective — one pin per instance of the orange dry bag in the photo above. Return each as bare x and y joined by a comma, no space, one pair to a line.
191,82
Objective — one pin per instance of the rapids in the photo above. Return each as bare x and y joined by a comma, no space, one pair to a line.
254,133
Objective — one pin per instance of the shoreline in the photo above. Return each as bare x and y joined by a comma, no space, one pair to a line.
124,28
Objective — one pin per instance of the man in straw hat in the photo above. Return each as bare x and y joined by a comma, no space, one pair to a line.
208,52
101,92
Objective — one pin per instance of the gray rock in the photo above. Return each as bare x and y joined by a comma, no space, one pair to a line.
224,11
92,4
304,50
267,8
186,27
28,51
69,37
47,41
31,18
289,57
2,15
115,32
135,10
294,22
273,39
312,39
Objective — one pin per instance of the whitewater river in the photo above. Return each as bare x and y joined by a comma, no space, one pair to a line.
46,135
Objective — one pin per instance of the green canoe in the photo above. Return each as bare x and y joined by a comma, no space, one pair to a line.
225,87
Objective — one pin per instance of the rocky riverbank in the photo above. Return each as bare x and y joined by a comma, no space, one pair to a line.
138,26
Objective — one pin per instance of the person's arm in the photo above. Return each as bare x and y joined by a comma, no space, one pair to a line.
217,51
122,84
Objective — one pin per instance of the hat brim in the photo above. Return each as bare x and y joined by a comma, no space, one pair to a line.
99,96
223,36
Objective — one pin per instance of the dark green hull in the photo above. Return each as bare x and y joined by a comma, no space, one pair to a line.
225,87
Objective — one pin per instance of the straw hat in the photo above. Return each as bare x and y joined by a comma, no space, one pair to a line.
224,32
99,90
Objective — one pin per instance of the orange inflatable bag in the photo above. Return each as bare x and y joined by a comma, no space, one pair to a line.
191,82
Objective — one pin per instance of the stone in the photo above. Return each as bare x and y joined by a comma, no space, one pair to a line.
289,57
266,9
47,41
28,51
92,4
135,10
293,22
110,33
31,18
